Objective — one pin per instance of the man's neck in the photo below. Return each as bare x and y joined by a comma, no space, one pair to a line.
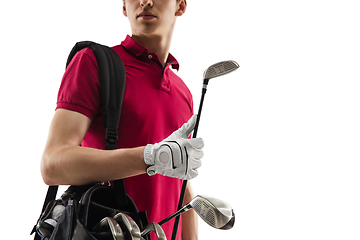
155,44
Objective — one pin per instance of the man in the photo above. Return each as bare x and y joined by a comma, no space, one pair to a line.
156,103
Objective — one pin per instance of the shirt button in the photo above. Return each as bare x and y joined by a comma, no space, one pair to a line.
150,56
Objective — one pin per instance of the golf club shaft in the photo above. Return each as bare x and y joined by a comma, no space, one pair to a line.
183,188
182,210
199,113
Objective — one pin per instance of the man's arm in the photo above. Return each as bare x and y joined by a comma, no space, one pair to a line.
189,218
64,162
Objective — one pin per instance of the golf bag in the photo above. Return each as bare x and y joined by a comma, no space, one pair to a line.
77,214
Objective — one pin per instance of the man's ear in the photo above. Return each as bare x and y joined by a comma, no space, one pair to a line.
124,9
181,8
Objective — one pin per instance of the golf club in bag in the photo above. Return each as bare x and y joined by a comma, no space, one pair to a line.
123,227
214,212
215,70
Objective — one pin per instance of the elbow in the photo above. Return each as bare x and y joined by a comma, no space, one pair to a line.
46,169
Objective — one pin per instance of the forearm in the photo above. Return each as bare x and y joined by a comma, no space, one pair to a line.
76,165
189,219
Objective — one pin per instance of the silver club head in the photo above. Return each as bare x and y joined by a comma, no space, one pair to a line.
220,68
131,227
154,227
214,212
113,225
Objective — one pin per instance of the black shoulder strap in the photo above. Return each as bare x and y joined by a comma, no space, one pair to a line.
112,77
50,195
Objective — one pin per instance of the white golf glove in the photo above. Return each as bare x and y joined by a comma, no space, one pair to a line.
176,156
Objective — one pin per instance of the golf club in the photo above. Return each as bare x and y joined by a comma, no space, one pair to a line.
132,230
154,227
215,70
111,224
214,212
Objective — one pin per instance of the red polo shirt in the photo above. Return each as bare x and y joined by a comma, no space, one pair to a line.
156,103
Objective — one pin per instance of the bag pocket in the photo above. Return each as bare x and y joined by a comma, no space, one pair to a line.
66,222
49,218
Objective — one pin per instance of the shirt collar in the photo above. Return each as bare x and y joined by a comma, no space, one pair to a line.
130,44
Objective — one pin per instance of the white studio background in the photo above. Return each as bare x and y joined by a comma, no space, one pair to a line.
281,133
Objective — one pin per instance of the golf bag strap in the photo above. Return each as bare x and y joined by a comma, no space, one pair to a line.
50,195
112,77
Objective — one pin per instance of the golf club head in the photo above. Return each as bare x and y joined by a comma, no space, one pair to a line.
219,69
112,225
214,212
131,229
154,227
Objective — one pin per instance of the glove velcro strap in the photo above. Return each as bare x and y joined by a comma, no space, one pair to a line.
151,171
149,155
168,158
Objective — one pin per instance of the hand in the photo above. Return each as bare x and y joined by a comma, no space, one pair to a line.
176,156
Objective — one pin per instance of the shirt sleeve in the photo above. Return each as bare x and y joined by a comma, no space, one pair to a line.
79,90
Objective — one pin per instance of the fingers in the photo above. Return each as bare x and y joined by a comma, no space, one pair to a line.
191,175
192,171
196,163
198,154
188,127
195,159
191,125
197,143
184,131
